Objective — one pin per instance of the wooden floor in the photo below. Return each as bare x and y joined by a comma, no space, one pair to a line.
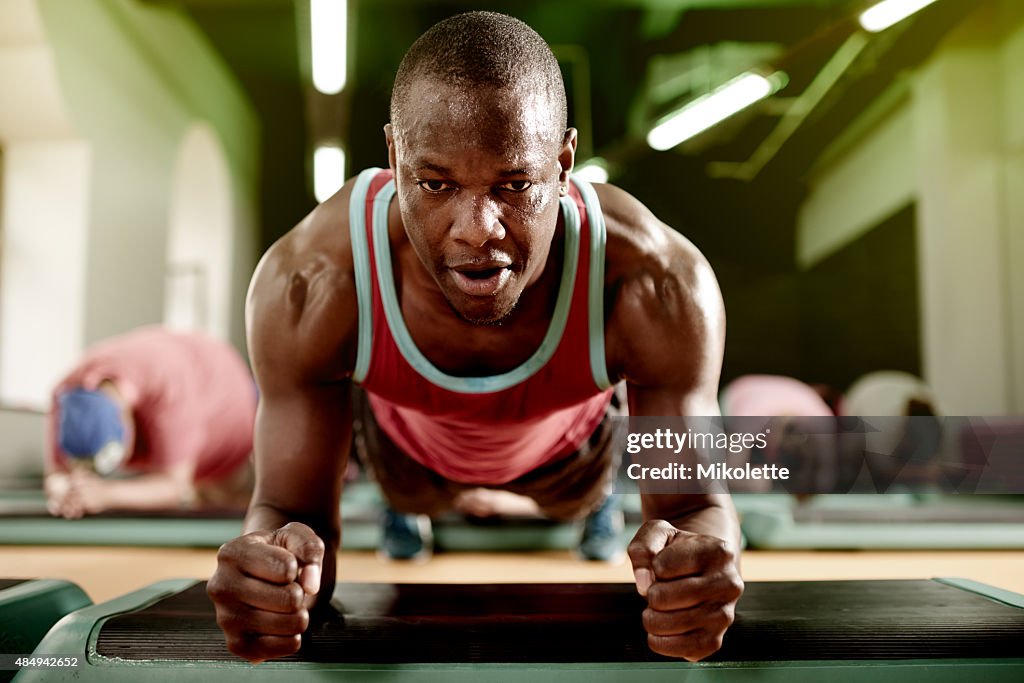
107,572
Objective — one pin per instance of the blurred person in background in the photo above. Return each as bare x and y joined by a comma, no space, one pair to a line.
151,420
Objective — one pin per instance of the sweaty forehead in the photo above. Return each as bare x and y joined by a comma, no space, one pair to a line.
509,121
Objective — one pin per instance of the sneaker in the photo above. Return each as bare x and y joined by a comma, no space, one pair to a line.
602,533
406,537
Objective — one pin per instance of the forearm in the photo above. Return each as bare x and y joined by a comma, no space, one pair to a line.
710,515
263,516
718,519
147,492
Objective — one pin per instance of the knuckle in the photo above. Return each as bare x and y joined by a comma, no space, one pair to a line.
664,645
655,643
237,645
312,547
226,552
294,597
230,622
657,598
651,621
302,621
733,586
720,619
720,549
284,565
729,553
296,528
286,625
284,645
709,643
218,589
637,549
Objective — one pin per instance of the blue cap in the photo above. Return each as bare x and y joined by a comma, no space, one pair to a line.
89,420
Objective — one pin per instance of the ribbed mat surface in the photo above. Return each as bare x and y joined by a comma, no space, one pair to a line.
519,623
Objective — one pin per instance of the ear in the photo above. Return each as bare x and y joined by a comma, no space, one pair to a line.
389,137
567,156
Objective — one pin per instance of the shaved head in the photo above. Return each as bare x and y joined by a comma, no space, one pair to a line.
483,50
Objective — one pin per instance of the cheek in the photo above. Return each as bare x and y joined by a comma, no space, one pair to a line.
536,208
426,232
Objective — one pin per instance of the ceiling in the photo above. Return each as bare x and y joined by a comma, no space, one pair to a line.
625,61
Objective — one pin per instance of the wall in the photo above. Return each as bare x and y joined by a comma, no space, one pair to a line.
960,100
133,78
954,149
44,203
1012,66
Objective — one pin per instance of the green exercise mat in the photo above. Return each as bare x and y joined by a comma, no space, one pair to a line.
883,522
24,521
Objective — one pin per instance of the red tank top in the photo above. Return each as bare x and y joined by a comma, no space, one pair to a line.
483,430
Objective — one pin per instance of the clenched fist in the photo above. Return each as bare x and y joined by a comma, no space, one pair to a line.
691,583
263,588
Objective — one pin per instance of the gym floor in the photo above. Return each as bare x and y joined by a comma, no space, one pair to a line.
107,572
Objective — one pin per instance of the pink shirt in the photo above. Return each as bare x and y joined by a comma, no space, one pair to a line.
192,396
772,395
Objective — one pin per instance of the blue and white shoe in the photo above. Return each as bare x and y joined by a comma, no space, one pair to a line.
406,537
602,533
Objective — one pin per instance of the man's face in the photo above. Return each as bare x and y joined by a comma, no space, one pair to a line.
478,173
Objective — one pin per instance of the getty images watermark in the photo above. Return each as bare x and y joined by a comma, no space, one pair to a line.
823,455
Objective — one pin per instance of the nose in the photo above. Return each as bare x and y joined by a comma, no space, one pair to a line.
477,221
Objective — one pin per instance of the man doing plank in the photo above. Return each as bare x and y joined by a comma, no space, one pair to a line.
487,302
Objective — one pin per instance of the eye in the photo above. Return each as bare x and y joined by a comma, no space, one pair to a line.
433,186
517,185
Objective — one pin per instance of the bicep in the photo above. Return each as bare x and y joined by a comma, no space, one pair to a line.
675,342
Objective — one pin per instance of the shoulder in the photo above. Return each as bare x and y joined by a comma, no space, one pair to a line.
301,310
665,317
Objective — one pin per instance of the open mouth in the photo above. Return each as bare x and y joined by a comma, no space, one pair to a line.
481,274
482,281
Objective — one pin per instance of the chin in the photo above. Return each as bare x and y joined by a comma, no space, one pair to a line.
491,313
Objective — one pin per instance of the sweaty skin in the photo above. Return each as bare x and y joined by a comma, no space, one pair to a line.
478,179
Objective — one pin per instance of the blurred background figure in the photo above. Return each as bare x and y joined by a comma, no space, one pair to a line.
803,440
911,453
920,448
887,393
151,420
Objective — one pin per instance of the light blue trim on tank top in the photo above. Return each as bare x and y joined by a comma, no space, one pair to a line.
408,348
595,288
361,264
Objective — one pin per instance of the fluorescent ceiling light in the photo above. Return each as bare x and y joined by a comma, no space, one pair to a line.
718,105
889,12
593,171
327,25
328,171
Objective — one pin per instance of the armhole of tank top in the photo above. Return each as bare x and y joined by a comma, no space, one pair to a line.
595,284
361,265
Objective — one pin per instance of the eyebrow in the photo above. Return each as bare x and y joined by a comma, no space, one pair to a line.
427,166
442,170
